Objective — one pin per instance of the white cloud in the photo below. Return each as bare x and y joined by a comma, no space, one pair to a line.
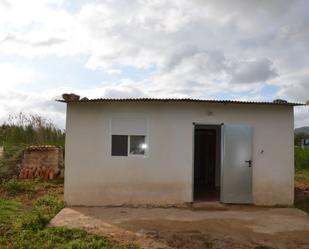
198,48
254,71
301,116
13,75
12,102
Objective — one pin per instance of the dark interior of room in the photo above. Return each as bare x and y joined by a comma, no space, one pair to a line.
205,163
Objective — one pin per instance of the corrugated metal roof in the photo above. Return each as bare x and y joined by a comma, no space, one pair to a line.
85,100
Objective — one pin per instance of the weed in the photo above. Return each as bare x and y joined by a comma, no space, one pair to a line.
9,161
8,213
61,238
302,175
301,158
34,221
22,228
14,187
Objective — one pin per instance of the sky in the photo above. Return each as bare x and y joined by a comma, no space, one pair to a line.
220,49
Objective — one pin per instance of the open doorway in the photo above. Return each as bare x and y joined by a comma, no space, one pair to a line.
207,162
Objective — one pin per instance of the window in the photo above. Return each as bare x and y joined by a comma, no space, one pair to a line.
129,134
124,145
137,145
119,145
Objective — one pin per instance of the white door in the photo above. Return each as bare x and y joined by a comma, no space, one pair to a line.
236,174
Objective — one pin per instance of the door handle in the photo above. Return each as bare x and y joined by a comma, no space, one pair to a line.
249,163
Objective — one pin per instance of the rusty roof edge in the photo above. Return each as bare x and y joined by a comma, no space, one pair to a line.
181,100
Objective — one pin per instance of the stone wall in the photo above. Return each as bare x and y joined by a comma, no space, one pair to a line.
44,161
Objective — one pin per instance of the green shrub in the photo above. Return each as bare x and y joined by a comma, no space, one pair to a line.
10,160
27,129
14,187
301,157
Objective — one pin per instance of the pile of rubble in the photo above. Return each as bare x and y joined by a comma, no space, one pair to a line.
302,185
44,161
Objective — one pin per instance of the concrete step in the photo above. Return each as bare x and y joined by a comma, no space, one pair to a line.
209,205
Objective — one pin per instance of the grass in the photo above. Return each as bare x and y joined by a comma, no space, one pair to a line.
14,187
301,157
26,207
302,175
302,178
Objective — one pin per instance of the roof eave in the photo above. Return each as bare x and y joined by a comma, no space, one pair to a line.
182,100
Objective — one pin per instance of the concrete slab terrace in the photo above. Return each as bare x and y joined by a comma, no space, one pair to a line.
236,227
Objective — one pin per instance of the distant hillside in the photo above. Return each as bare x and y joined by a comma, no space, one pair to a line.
304,129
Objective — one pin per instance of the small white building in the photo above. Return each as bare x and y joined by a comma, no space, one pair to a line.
173,151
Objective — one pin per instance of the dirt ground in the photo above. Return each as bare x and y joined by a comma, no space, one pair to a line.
302,195
237,227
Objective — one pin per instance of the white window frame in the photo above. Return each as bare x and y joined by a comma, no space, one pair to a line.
145,134
128,146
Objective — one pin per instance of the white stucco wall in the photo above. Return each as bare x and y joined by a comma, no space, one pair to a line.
165,176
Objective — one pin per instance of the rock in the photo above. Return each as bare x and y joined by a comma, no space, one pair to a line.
280,101
70,97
